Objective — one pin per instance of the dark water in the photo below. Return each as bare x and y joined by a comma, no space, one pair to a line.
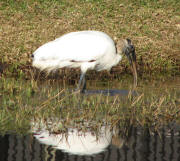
111,92
141,145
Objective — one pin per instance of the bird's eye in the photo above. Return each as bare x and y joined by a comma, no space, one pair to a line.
132,49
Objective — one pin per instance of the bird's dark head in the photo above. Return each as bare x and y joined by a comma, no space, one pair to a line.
129,51
126,47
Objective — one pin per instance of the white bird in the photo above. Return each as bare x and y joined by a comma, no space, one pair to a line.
75,141
85,49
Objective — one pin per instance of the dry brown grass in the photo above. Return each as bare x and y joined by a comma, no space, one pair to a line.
154,105
153,27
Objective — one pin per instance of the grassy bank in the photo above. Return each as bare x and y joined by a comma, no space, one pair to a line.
22,101
153,26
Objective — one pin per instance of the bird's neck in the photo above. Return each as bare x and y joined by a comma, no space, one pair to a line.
118,59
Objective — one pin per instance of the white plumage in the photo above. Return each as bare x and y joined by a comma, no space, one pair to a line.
85,49
77,142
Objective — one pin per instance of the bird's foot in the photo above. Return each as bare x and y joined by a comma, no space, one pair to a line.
80,90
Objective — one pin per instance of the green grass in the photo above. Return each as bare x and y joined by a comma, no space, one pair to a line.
23,101
153,26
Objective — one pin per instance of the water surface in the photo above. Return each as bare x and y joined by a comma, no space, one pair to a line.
141,145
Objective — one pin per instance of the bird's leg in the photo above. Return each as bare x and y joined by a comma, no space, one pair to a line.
82,83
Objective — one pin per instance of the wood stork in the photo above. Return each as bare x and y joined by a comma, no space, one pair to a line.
76,142
85,49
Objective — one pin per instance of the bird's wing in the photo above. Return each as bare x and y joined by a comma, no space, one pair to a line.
76,47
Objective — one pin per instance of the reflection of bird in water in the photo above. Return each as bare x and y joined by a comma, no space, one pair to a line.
80,143
85,49
76,142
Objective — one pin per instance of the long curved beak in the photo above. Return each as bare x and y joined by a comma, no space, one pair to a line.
132,61
134,70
